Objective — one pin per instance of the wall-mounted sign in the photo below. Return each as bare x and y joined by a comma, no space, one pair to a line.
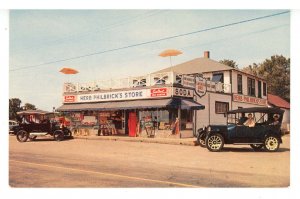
159,92
69,98
118,95
250,100
188,81
200,86
183,92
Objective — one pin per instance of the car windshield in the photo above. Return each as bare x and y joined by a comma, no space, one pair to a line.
259,118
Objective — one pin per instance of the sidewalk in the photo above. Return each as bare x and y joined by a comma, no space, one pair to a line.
175,141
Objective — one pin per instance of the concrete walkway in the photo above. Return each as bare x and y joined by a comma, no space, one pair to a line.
176,141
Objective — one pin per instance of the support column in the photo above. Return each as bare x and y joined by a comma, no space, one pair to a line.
179,118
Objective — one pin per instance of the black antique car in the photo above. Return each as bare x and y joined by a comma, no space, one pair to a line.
264,133
34,123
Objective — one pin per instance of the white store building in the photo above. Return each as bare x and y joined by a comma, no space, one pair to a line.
227,89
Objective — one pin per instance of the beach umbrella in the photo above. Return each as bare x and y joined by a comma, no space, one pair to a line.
170,53
68,71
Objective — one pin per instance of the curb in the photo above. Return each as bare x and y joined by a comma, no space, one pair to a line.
146,140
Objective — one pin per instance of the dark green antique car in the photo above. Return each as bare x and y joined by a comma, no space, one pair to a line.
265,133
32,129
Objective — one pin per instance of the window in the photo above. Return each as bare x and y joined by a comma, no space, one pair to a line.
264,89
218,77
240,83
251,86
221,107
259,89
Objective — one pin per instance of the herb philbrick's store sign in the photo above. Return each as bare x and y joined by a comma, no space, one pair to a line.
118,95
250,100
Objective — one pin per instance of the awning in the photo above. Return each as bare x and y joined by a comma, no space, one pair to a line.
137,104
122,105
186,104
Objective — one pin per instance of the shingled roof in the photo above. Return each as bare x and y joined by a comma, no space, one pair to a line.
278,101
198,65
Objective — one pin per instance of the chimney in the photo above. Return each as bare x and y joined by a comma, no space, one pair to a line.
206,54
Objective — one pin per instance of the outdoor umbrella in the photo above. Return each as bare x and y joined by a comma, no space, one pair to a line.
68,71
170,53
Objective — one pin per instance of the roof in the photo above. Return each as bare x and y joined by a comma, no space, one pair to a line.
278,101
198,65
134,104
201,65
257,109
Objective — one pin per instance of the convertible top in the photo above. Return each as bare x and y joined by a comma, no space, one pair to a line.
258,109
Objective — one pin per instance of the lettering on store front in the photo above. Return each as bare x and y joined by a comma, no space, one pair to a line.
117,96
183,92
248,99
158,92
188,81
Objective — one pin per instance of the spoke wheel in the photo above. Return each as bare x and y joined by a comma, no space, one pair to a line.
214,142
271,143
201,139
22,136
58,135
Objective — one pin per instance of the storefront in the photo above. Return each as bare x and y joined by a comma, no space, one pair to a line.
146,112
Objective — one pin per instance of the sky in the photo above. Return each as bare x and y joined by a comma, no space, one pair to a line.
37,37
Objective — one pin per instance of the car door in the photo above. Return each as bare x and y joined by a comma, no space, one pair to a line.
243,133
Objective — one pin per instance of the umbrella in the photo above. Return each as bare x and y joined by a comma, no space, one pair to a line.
68,71
170,53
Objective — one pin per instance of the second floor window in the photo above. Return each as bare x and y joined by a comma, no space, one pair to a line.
218,77
240,83
265,89
259,89
221,107
251,86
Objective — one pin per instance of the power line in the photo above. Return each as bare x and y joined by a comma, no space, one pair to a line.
153,41
104,28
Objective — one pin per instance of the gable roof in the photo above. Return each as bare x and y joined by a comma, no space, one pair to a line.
278,101
198,65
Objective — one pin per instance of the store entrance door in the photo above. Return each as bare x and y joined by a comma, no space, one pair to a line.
132,121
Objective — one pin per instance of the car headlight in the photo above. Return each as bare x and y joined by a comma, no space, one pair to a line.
209,128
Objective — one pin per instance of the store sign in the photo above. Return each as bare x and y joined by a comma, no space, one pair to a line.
183,92
118,95
69,98
188,81
159,92
248,99
200,86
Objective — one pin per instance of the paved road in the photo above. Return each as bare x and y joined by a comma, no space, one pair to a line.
100,163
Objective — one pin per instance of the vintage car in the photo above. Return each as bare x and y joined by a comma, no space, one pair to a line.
264,133
13,126
40,125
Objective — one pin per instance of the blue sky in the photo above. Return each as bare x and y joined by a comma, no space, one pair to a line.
41,36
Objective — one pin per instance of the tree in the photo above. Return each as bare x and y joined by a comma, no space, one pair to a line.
230,63
29,106
276,71
14,107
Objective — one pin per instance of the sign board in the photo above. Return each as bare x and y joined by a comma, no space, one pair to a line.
200,86
188,81
183,92
149,93
248,99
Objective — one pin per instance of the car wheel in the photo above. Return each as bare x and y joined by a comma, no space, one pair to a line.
32,138
58,135
201,139
214,142
271,143
256,147
22,136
